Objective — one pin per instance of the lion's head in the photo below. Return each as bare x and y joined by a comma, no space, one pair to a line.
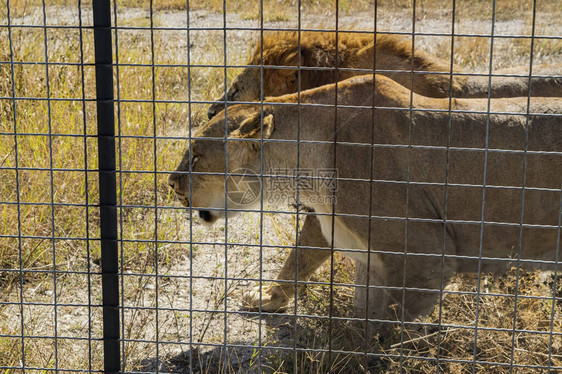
277,56
219,169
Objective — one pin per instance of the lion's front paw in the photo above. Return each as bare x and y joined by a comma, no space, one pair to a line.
273,298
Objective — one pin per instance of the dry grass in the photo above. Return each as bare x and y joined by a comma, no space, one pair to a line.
419,349
474,9
531,344
69,150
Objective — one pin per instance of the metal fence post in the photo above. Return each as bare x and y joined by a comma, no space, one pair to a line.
107,183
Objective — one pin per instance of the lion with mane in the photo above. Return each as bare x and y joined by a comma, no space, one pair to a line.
320,54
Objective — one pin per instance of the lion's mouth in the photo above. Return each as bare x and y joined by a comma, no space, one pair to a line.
207,216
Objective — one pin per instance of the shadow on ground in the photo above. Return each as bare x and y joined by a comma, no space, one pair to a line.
286,348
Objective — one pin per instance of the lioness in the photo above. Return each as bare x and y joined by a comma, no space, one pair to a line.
354,50
436,194
393,55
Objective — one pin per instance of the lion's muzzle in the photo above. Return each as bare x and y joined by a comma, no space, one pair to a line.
215,108
175,182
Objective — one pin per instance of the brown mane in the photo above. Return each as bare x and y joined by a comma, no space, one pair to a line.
319,49
278,55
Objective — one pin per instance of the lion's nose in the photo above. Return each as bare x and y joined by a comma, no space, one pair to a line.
215,108
173,181
211,112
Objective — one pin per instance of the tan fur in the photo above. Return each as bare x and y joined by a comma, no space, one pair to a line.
408,255
359,51
356,50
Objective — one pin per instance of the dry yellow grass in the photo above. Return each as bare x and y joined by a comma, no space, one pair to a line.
418,349
65,144
474,9
66,141
527,343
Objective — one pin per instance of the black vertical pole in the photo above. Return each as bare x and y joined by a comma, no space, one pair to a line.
107,184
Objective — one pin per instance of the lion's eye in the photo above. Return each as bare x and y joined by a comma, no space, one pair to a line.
234,93
194,160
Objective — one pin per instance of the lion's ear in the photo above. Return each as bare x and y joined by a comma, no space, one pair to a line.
252,127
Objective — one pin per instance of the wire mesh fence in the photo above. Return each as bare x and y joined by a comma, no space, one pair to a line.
365,186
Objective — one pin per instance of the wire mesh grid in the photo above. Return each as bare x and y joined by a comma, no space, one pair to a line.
409,245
